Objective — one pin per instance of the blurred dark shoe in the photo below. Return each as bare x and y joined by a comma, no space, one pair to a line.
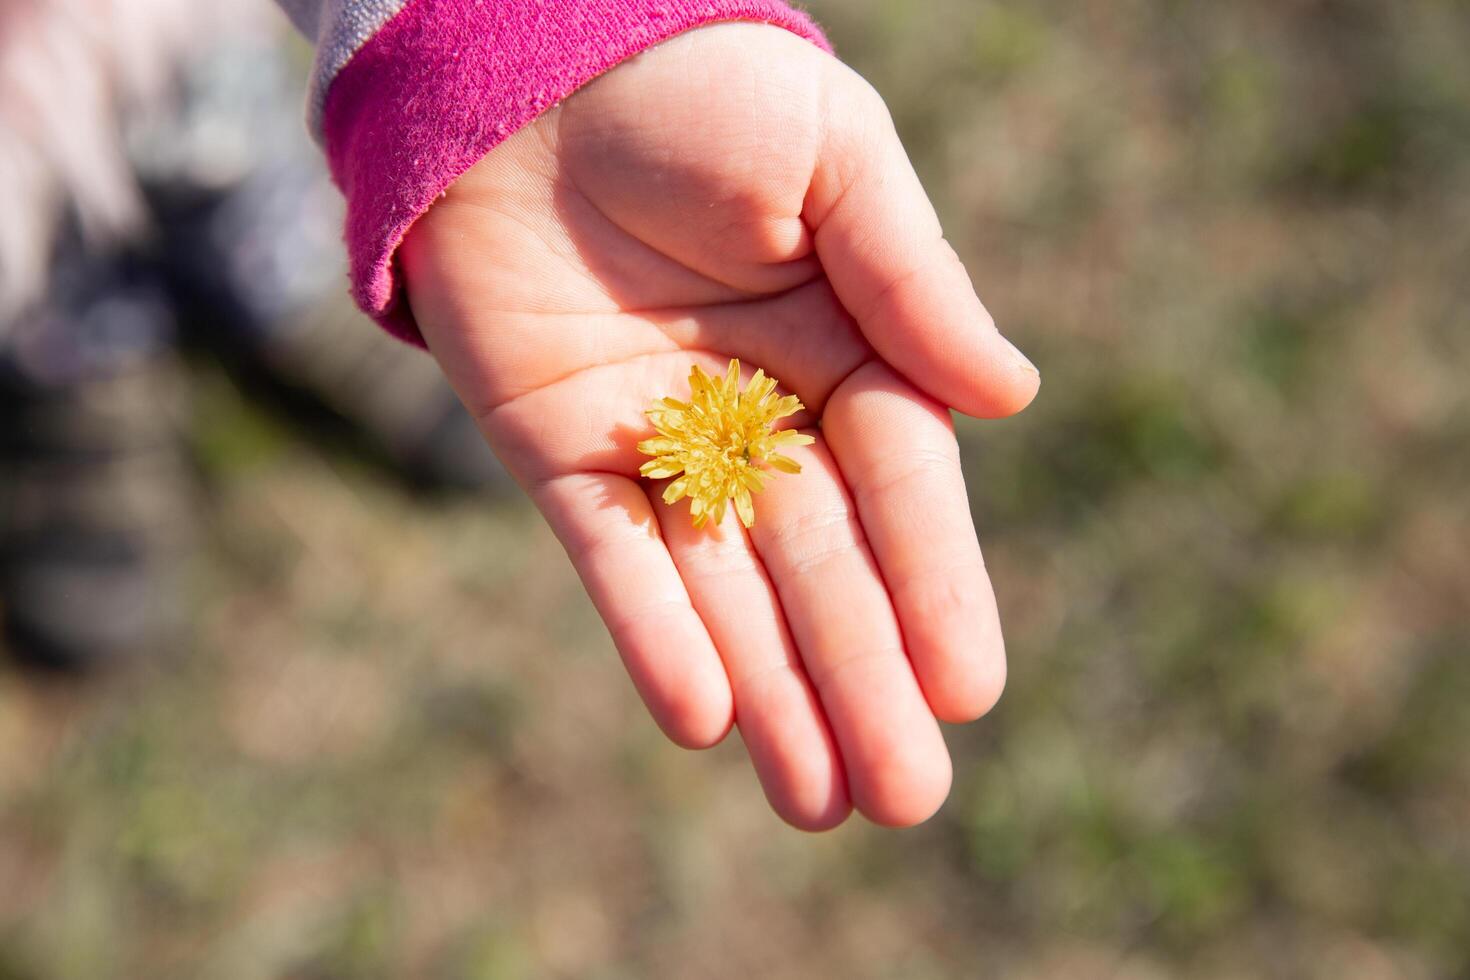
96,517
257,269
395,394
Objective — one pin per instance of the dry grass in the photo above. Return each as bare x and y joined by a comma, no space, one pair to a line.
1230,539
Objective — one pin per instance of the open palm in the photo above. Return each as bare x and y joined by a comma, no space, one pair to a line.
735,192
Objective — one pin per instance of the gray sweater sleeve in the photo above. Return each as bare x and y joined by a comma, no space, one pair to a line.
338,28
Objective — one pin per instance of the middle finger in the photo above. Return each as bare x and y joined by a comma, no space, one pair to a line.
808,536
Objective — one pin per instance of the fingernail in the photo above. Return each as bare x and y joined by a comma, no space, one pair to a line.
1022,361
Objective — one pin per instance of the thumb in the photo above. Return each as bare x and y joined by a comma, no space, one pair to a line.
882,248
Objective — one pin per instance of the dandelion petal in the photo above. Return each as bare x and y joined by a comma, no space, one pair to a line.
715,442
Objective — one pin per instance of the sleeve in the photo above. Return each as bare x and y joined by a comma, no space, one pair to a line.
407,95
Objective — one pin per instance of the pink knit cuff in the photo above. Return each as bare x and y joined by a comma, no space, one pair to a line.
446,81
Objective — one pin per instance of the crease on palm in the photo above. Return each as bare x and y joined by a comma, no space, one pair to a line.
731,322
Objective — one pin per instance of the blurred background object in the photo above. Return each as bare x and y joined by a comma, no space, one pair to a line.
1231,542
167,201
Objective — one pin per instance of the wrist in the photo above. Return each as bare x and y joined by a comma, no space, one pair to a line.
446,81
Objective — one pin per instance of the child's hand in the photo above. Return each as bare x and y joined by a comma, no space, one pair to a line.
735,192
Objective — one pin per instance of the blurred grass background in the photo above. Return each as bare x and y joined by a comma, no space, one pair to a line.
1231,542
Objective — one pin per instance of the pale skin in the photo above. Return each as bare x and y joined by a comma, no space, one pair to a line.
736,192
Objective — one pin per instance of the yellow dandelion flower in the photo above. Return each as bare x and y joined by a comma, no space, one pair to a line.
716,442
